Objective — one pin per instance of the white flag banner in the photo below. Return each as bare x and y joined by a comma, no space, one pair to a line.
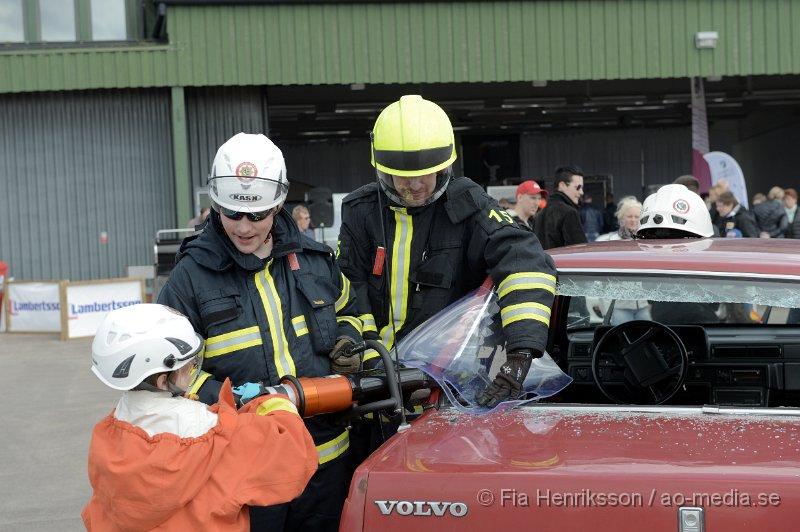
723,166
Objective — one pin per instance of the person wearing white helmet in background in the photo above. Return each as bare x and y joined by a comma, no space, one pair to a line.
675,212
161,461
270,302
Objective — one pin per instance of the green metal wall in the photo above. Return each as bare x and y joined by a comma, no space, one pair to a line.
430,43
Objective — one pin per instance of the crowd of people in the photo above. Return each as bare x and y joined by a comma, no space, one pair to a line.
253,298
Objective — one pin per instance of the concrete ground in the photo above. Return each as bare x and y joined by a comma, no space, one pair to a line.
52,401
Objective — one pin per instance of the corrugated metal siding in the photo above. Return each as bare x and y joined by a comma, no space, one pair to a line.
342,166
432,42
87,68
660,155
215,114
76,164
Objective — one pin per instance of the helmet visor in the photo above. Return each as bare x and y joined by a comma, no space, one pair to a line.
247,194
414,191
197,369
193,357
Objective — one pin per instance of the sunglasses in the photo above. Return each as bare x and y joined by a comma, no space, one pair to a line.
578,187
252,216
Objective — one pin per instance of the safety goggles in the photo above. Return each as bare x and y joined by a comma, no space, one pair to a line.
252,216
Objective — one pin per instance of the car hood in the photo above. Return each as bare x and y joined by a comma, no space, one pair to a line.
565,468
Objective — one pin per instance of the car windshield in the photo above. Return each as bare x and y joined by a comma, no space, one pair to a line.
596,298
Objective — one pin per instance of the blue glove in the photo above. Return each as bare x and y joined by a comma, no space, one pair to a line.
248,391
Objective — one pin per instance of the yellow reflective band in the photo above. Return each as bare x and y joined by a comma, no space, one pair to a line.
300,327
369,354
232,341
527,281
201,380
525,311
272,305
334,448
354,322
368,321
345,295
401,264
273,404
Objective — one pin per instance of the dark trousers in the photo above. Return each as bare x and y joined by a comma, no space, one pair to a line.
318,508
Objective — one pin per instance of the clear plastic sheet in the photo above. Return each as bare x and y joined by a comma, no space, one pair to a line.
463,345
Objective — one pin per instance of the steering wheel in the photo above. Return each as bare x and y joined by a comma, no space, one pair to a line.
644,358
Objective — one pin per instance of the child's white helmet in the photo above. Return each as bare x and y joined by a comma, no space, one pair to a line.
137,341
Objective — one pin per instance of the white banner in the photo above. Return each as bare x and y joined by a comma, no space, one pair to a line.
723,166
34,306
85,304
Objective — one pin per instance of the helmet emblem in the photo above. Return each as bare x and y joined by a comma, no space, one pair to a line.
681,206
123,370
246,172
245,197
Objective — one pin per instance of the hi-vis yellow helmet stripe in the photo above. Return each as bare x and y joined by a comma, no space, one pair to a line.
525,311
527,281
272,304
232,341
344,297
401,263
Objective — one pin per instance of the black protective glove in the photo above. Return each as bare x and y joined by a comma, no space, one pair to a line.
342,360
507,385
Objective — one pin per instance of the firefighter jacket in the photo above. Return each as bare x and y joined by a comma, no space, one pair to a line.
262,455
437,254
263,319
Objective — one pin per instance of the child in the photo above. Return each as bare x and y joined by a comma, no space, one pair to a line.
161,461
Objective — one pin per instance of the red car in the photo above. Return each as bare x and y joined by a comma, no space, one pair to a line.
682,414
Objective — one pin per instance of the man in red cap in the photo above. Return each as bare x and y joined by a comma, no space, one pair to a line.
529,196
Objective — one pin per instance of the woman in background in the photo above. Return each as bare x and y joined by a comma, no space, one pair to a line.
628,212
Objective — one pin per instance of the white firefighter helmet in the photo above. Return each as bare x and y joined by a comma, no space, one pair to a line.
137,341
248,175
674,212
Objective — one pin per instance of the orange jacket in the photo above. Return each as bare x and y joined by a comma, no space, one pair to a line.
261,455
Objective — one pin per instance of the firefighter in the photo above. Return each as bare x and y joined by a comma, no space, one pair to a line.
270,302
160,461
418,239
